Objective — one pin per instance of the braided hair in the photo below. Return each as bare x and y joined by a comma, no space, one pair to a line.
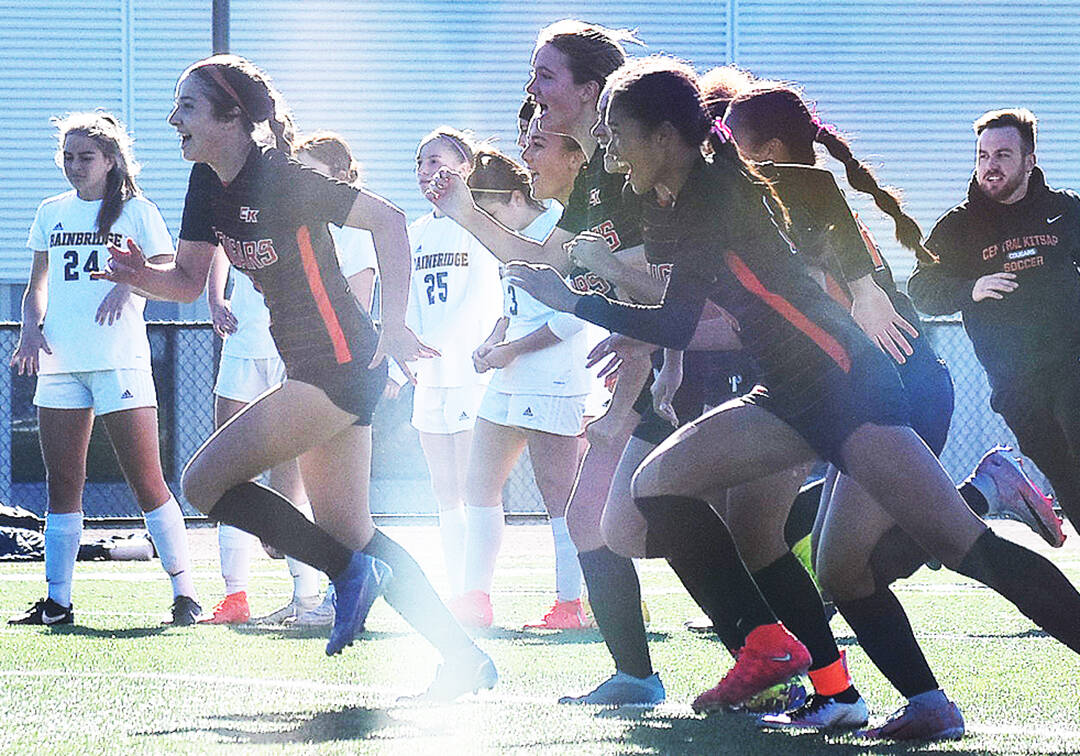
779,112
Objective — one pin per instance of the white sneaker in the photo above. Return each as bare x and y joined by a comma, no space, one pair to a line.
820,713
320,615
289,612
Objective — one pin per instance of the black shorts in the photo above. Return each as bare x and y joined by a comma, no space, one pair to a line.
352,386
709,380
829,410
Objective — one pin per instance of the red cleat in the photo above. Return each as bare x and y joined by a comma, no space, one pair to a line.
565,615
771,655
472,609
231,610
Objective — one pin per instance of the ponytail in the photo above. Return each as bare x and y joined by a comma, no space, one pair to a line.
862,179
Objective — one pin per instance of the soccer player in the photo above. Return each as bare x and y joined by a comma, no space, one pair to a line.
251,365
828,390
454,300
1007,262
536,397
270,214
86,342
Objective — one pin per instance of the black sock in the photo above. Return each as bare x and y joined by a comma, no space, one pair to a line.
411,596
883,630
974,499
615,598
1033,584
792,594
800,520
265,513
701,551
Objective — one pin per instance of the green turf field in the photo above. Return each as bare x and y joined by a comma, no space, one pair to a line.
118,683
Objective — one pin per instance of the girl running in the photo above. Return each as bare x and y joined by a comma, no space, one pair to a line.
536,399
830,392
63,311
251,365
454,301
270,214
774,124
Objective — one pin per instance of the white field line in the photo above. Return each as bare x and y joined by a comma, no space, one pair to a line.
670,709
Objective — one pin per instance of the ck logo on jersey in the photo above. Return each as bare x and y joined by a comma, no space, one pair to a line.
249,214
127,395
528,412
1051,220
594,196
58,227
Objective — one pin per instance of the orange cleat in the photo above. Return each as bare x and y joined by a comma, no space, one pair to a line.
564,615
771,655
231,610
472,609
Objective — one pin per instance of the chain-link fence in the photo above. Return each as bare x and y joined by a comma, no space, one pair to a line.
185,358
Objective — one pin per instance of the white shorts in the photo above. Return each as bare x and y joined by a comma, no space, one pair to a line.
446,409
561,415
103,391
244,379
597,401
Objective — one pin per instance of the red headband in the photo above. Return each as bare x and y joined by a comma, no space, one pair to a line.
217,76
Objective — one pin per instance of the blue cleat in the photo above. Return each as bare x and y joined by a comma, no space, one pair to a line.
622,689
356,589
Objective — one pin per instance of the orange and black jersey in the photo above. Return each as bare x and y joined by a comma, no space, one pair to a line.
1037,239
272,222
597,203
725,247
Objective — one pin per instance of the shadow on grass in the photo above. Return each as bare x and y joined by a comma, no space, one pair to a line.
350,723
656,732
103,632
307,633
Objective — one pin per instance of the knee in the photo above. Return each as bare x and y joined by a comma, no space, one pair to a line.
625,535
197,487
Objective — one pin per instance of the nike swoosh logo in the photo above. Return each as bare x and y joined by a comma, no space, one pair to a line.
785,658
1056,217
49,619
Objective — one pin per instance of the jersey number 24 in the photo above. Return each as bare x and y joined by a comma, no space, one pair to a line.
71,264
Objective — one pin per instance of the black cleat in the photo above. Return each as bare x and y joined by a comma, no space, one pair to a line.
44,612
185,611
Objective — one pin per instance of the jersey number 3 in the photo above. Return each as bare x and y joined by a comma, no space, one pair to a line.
436,281
71,266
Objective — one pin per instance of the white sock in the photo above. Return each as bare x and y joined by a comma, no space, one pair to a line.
62,535
567,568
452,529
307,580
166,526
483,538
235,546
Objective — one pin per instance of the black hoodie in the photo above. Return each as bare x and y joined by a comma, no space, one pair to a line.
1038,239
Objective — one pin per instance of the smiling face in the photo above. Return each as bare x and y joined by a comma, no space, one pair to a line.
435,154
634,148
553,164
86,166
563,104
201,134
1002,165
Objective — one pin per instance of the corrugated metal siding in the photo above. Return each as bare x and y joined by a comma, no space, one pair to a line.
907,79
122,55
385,73
48,66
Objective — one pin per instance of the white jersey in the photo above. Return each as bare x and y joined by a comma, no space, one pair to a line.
557,370
355,249
455,297
65,227
252,340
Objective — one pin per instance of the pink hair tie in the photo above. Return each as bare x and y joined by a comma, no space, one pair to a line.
219,78
822,126
721,130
